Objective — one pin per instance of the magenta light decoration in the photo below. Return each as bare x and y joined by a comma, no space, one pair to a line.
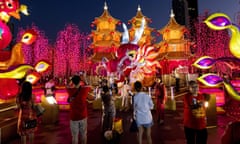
204,62
59,56
67,51
218,21
211,80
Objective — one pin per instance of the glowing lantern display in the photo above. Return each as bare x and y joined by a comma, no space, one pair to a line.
33,77
41,66
29,37
8,88
8,76
220,21
106,39
146,37
204,62
5,35
211,80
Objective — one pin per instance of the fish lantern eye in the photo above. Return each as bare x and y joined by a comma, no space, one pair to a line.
9,5
29,37
131,54
26,37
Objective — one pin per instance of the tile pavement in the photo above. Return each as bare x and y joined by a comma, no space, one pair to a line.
169,133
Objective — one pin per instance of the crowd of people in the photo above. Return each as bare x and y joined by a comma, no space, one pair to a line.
134,97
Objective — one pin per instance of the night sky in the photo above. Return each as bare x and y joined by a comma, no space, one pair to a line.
51,16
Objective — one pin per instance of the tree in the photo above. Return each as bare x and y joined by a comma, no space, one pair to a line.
67,51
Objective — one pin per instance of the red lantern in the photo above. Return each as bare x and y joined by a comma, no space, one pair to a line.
5,35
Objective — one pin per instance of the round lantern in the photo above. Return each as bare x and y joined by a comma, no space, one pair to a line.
5,35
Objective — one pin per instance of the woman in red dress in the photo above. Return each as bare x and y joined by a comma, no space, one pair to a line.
161,95
25,103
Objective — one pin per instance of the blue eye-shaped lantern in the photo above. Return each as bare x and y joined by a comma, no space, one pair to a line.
204,62
218,21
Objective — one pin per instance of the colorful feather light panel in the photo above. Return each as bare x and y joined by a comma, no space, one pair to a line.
220,21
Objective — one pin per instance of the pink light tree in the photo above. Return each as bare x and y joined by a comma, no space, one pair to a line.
85,52
67,56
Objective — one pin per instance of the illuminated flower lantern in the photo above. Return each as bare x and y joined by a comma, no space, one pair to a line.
136,21
174,49
145,40
125,58
106,39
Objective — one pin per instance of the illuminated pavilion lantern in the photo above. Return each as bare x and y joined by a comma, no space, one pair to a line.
136,23
106,39
174,50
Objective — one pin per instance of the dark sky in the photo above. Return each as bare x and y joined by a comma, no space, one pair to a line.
52,15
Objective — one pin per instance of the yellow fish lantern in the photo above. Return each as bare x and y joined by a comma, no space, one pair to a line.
17,56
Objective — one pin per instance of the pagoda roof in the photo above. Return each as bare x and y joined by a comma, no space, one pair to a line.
106,16
172,25
139,16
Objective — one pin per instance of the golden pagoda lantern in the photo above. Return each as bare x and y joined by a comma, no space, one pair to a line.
136,23
173,36
106,39
174,52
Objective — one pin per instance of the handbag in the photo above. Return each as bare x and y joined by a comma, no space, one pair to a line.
39,110
28,124
133,126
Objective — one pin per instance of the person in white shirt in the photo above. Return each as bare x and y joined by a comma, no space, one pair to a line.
49,88
142,106
125,95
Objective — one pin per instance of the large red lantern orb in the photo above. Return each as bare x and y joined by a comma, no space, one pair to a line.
5,35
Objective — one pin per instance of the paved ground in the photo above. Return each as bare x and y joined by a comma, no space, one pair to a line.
169,133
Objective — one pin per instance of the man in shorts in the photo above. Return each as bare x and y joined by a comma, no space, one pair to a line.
78,109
